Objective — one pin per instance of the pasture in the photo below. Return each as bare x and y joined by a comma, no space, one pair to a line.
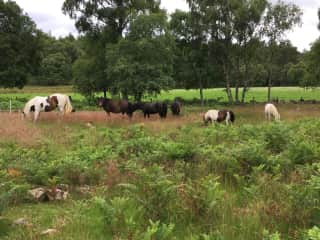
216,96
170,178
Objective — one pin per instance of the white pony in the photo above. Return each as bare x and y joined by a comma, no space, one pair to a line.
271,111
218,116
63,103
39,104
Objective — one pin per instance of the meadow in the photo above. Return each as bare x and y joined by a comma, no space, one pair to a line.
163,179
19,97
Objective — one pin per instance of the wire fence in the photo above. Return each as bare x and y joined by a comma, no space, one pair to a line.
8,107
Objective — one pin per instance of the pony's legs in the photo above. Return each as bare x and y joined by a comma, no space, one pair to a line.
61,111
36,115
268,116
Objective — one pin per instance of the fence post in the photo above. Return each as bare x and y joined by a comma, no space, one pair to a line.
10,106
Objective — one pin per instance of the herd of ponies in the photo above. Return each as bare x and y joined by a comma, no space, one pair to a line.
63,103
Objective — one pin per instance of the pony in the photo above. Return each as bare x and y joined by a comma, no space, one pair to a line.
175,108
39,104
218,116
64,103
117,106
271,111
154,107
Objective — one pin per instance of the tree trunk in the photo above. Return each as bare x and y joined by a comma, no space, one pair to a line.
201,92
245,83
237,83
269,85
105,93
228,87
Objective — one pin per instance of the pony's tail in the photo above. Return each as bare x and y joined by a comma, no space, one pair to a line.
68,106
232,116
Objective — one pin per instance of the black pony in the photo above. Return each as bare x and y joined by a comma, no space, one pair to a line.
117,106
175,108
154,107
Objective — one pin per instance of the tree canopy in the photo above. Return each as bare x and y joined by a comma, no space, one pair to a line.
19,45
133,48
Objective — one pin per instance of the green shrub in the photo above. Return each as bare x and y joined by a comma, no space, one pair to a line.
313,234
276,137
302,152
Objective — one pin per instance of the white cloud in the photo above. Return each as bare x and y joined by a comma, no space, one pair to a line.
49,17
172,5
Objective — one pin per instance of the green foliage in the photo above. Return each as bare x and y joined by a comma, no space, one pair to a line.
122,216
271,236
313,234
19,41
132,64
158,231
191,182
55,69
277,137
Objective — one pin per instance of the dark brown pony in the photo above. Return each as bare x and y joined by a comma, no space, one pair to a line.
225,115
175,108
154,107
117,106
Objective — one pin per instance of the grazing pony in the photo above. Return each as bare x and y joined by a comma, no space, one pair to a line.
63,103
271,111
117,106
218,116
154,107
39,104
175,108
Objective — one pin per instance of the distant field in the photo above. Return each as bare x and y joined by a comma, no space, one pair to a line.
20,96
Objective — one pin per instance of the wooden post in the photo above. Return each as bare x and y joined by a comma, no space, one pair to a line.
10,106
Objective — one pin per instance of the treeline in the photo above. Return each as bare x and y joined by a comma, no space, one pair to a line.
135,48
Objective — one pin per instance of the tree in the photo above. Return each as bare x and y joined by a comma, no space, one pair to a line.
247,23
222,21
191,65
55,69
57,57
132,62
311,61
104,22
279,18
19,43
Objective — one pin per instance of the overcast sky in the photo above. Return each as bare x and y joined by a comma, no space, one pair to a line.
48,16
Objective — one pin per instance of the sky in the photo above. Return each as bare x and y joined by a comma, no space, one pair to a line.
48,16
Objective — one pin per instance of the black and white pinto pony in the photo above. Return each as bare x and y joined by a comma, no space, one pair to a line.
213,116
46,104
270,111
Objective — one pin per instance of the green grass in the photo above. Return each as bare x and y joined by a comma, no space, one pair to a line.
19,97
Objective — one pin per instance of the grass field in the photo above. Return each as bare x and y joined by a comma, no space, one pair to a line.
163,179
19,97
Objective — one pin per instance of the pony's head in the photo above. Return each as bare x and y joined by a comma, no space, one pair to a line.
205,119
53,101
232,116
100,101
